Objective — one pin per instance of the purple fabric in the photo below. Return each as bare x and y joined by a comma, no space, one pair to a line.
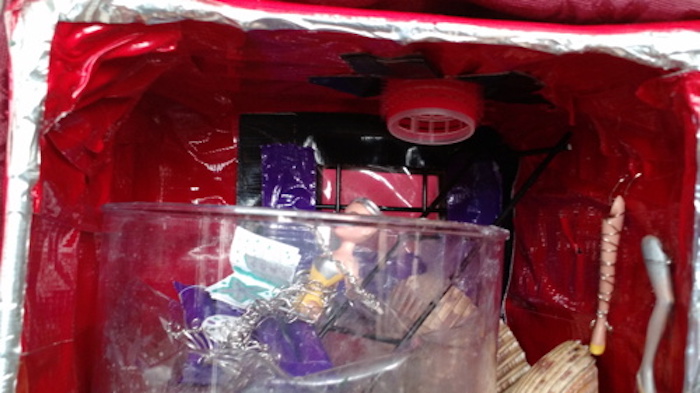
288,177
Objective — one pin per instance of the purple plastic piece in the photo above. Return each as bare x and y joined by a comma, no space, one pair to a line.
299,348
397,268
477,196
197,304
404,266
288,177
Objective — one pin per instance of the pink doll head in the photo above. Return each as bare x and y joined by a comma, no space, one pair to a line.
358,234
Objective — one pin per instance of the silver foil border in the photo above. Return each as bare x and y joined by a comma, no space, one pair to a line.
27,71
31,26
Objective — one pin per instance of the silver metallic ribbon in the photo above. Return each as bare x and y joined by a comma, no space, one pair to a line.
28,72
31,29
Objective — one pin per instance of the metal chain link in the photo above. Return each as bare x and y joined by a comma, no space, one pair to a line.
283,305
355,292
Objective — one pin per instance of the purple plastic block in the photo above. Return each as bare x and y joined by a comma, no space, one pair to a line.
477,197
288,177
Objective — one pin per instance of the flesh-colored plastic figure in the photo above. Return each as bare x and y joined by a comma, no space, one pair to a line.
327,272
611,229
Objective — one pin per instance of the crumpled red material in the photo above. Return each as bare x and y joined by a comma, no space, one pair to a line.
148,113
558,225
552,11
596,12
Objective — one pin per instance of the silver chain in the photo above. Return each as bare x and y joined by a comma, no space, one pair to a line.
355,292
239,331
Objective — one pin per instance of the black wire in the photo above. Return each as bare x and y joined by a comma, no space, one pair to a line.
559,147
434,303
382,339
534,176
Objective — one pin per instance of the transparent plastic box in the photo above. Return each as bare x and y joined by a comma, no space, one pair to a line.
228,299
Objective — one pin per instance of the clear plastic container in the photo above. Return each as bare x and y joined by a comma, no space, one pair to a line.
229,299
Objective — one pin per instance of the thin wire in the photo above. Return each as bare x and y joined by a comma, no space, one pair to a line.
622,180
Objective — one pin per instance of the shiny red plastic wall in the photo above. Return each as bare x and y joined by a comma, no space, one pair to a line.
149,113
